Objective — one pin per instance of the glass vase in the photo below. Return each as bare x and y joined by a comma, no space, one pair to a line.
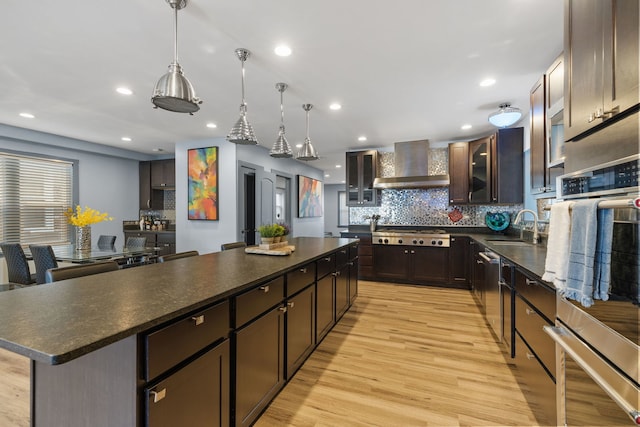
83,238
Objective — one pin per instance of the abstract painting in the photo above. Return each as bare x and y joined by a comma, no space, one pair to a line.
203,183
309,197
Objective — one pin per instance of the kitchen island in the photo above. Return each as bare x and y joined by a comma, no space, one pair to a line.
100,345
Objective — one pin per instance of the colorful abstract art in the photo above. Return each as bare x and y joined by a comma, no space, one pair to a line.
309,197
203,183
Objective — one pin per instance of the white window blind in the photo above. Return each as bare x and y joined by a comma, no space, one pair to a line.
34,195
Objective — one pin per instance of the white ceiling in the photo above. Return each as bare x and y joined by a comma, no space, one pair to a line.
402,70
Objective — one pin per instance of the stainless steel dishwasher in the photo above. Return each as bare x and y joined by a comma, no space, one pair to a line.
491,263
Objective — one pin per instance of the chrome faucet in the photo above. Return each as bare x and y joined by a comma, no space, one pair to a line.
536,238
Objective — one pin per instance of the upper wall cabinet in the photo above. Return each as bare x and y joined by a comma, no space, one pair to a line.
487,170
155,177
362,169
547,127
601,63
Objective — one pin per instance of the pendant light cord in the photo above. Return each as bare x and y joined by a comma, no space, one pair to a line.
175,33
308,139
242,61
281,109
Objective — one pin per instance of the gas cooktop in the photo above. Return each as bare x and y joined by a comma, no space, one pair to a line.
425,237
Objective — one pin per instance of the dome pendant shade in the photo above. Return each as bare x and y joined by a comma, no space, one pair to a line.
281,148
505,116
242,132
174,92
307,152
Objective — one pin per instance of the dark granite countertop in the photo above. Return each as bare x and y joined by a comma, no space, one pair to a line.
58,322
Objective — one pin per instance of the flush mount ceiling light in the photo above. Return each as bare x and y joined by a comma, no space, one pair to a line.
505,116
174,92
281,148
307,152
242,132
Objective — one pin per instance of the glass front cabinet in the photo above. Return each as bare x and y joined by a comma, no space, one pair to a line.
361,171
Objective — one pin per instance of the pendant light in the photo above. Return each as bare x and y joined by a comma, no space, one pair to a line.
505,116
242,132
307,152
281,148
173,91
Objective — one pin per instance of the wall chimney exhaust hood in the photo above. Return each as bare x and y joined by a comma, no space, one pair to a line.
411,168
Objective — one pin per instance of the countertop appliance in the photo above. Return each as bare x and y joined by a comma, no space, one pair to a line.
431,237
493,296
597,347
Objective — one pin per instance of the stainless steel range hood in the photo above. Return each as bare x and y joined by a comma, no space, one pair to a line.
411,168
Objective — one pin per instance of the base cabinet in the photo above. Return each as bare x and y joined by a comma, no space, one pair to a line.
301,328
325,315
410,264
197,394
259,365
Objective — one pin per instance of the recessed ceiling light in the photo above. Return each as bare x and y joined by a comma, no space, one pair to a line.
335,106
466,127
488,82
282,50
338,166
158,149
326,175
27,115
126,139
362,138
212,125
343,181
124,91
298,145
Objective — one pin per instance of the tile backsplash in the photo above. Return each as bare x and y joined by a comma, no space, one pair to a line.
424,207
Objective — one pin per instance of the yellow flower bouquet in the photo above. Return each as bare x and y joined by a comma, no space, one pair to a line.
88,216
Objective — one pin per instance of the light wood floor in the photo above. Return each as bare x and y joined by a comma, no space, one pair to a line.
404,356
401,356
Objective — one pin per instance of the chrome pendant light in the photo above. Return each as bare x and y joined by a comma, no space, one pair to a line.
174,92
307,152
505,116
242,132
281,148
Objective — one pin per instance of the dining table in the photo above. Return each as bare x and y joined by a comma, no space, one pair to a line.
68,253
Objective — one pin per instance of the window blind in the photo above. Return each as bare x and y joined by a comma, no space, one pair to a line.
34,195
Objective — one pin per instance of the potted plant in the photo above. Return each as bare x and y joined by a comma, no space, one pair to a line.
285,230
268,232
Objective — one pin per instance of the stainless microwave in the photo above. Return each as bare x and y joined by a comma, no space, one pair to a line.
617,177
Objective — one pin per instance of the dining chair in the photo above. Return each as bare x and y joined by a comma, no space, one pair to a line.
134,243
232,245
44,259
171,257
106,242
17,264
63,273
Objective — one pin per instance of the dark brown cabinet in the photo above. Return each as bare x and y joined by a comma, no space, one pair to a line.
342,290
459,260
325,307
197,394
479,285
365,254
410,264
165,242
547,129
155,177
601,62
493,169
361,170
354,260
459,173
535,307
301,327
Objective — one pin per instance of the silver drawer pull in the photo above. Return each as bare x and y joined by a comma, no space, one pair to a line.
264,288
529,311
158,395
303,270
283,309
530,282
327,259
530,356
290,304
199,320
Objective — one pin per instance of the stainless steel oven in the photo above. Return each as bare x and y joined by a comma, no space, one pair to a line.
597,348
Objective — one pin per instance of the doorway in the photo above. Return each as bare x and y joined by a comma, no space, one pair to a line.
257,201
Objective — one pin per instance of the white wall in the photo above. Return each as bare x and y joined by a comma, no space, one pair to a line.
331,209
207,236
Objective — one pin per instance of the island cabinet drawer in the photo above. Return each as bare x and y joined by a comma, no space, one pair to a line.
537,294
529,324
342,256
253,303
300,278
176,342
353,251
326,265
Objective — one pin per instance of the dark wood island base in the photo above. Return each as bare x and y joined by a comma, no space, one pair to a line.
207,340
